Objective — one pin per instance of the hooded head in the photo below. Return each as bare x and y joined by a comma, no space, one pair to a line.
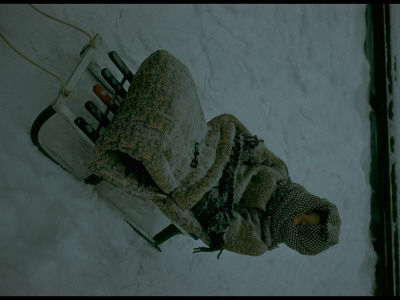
292,199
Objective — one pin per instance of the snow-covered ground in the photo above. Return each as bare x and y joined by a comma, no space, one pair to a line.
295,75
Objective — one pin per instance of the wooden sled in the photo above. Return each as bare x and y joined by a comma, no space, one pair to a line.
88,109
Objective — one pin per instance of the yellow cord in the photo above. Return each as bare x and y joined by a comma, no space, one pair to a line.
32,62
91,43
63,22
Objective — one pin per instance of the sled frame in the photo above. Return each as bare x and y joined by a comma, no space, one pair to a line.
58,106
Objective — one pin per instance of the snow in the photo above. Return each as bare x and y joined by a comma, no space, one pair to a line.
295,75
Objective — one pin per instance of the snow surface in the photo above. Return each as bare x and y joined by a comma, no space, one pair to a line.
295,75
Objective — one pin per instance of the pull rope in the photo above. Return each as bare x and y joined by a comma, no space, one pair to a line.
31,61
91,43
61,21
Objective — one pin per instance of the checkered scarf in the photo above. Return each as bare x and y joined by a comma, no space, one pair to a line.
290,200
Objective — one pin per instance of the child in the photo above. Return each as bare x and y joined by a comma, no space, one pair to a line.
218,182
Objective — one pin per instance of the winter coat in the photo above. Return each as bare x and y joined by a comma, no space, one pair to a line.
159,147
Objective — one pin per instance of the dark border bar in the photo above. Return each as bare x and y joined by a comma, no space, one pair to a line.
383,202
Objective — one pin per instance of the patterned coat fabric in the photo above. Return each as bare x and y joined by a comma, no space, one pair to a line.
161,126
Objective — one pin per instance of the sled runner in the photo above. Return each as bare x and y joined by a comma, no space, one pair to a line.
90,99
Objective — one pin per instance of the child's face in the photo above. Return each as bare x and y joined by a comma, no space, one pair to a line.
307,218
